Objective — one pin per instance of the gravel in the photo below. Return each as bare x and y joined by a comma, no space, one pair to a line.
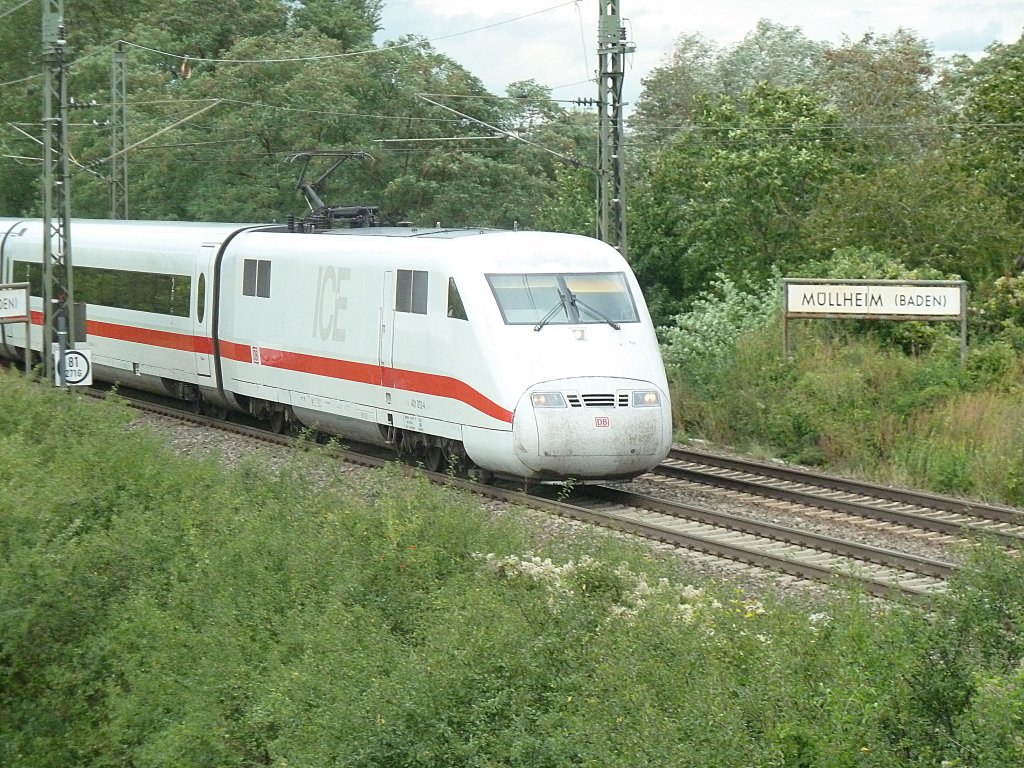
231,449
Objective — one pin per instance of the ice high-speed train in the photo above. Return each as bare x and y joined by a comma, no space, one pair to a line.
518,353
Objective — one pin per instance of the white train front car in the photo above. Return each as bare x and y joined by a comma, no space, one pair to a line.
515,353
531,354
574,349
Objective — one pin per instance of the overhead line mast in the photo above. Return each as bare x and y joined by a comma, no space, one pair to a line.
118,137
56,180
612,48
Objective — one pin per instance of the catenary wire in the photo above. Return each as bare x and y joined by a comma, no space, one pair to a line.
348,54
7,13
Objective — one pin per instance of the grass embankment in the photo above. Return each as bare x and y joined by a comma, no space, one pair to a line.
859,407
157,610
884,400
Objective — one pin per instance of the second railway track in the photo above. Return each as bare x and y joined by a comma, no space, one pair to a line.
914,510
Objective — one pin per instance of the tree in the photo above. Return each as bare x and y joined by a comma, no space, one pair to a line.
208,30
772,54
671,93
350,22
283,79
730,195
993,142
441,162
20,112
928,212
561,153
884,89
910,192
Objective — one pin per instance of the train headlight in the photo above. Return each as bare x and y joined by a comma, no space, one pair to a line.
547,400
648,398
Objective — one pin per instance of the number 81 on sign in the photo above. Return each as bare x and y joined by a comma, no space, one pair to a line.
77,367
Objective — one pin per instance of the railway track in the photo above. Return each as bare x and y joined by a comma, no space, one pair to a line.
915,511
796,551
799,555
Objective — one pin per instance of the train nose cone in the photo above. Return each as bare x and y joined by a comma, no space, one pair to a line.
592,428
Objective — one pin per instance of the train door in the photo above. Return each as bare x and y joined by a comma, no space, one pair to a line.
202,339
387,330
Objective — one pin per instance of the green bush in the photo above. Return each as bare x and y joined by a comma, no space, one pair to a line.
157,610
709,331
999,312
853,397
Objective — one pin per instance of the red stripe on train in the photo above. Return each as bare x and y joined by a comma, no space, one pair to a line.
362,373
409,381
184,342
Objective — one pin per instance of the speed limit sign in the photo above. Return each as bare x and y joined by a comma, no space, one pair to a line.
77,367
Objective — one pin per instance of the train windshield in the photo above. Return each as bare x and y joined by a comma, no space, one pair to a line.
560,299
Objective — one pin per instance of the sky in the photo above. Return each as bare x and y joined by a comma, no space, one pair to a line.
554,41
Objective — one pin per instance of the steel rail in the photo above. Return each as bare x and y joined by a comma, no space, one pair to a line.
996,512
846,548
751,485
717,544
585,510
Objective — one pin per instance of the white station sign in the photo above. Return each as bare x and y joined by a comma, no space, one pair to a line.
825,299
13,304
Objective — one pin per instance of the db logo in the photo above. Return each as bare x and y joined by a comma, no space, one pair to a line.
602,421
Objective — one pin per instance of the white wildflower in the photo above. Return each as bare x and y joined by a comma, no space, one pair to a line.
819,620
687,613
690,592
753,609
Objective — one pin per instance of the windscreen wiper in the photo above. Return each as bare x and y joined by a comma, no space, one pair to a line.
552,312
576,302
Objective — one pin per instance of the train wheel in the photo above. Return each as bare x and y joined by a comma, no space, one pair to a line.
434,460
482,476
215,412
277,421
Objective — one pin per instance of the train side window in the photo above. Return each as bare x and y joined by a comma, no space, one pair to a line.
256,278
263,280
201,298
121,289
249,278
411,291
456,308
31,273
